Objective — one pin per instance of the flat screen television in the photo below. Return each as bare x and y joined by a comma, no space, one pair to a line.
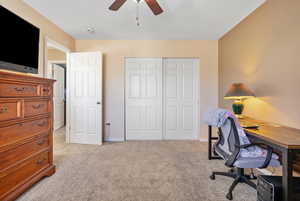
19,43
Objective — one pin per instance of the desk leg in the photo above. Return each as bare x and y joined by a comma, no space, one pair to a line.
209,141
287,173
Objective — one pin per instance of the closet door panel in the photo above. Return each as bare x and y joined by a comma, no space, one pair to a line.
181,99
143,99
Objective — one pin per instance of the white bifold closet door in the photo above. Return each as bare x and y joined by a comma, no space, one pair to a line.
181,98
161,99
144,99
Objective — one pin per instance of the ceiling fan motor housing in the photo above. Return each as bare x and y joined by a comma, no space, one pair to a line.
153,5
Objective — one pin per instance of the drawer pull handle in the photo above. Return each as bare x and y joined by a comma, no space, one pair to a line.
46,90
37,106
3,110
41,161
41,142
42,123
19,89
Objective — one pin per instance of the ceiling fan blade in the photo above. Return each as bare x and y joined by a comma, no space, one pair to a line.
154,6
117,4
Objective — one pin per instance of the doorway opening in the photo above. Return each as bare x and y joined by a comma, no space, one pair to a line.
56,68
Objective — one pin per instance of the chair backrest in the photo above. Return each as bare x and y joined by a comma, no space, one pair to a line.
228,139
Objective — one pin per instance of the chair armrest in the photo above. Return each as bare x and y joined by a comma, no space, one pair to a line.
268,157
232,158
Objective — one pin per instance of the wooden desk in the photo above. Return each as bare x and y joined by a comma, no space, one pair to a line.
282,139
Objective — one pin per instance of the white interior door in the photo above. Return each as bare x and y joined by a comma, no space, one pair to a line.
84,114
181,98
59,96
143,99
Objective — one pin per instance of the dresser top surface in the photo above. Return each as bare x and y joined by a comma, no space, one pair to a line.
4,75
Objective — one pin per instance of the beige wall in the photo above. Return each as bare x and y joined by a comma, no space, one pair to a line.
263,51
47,28
56,55
114,55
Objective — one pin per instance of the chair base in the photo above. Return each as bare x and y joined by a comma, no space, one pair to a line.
239,177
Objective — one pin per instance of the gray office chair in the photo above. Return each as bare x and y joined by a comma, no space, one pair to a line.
228,147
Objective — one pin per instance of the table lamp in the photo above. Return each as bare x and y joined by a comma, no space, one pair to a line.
238,92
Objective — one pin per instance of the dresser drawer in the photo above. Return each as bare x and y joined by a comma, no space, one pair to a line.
16,176
36,107
46,90
19,90
20,131
23,151
10,109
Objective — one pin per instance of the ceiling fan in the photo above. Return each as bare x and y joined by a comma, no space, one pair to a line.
153,5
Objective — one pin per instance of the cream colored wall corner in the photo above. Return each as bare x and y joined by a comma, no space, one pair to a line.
263,52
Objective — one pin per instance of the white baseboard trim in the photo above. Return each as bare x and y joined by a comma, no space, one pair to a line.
203,139
114,140
264,171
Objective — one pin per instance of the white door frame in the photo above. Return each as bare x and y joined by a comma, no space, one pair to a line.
48,42
51,62
52,43
57,62
163,58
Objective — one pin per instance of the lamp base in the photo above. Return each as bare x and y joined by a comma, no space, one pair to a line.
239,116
238,108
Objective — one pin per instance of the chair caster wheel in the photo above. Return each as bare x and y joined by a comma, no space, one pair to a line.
229,196
212,177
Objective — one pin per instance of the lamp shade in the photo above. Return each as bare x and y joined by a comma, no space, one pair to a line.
238,91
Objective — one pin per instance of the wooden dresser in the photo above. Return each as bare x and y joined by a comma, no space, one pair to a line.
26,127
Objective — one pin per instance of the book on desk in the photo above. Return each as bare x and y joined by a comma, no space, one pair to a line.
249,125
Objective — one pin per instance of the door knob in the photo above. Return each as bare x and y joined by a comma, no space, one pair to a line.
98,103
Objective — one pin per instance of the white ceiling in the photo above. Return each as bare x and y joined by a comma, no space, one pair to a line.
182,19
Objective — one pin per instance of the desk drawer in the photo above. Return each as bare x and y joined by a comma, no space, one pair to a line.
10,109
20,131
36,107
19,90
16,176
11,156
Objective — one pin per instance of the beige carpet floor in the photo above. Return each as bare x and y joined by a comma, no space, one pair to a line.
134,171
